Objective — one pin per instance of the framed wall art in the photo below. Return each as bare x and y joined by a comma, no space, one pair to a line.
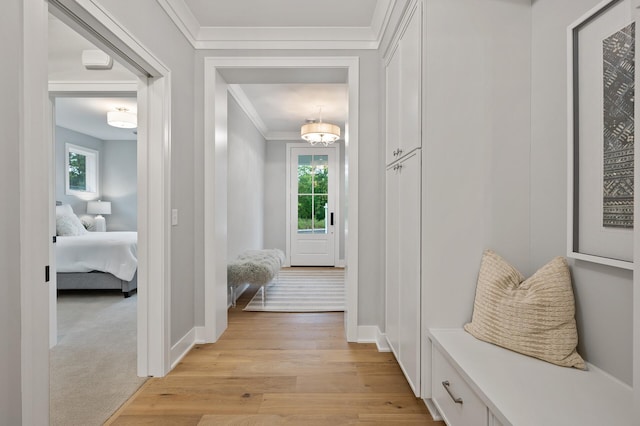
601,130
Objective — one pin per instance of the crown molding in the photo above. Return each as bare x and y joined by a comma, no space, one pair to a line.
279,37
247,106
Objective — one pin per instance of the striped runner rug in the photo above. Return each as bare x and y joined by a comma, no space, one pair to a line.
302,290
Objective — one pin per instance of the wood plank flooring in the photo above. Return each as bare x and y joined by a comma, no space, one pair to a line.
279,369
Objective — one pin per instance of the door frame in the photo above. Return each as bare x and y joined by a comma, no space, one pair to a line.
335,188
215,182
154,159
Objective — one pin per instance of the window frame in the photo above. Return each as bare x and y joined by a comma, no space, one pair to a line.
92,170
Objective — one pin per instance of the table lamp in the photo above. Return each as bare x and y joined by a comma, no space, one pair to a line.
99,208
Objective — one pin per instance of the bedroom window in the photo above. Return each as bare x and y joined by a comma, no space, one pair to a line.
81,165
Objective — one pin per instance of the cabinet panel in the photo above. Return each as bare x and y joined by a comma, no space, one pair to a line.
409,270
404,90
392,277
393,107
410,85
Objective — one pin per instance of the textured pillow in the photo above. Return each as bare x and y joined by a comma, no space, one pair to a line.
535,317
67,223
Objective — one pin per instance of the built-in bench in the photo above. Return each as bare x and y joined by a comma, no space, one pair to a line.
477,383
258,267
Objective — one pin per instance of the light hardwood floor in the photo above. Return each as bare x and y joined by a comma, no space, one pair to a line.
279,369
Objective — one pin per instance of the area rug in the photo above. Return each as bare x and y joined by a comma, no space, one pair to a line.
93,366
302,290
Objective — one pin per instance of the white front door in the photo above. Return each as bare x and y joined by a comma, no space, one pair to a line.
313,224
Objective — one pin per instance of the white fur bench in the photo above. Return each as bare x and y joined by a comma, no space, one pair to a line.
257,267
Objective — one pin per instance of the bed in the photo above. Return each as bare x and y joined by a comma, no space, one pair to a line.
94,260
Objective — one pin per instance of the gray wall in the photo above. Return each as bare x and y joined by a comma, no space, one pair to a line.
160,35
275,230
120,184
604,295
246,183
475,149
10,75
117,178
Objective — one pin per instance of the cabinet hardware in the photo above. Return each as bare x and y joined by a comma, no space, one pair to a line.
446,387
399,151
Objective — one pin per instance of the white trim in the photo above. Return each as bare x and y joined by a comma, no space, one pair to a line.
245,103
184,345
215,93
200,334
341,263
202,37
35,213
433,410
372,334
93,86
215,202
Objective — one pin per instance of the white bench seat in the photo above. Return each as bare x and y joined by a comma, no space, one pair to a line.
523,391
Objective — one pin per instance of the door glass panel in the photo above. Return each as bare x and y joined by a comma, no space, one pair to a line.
305,174
320,214
313,190
305,214
320,174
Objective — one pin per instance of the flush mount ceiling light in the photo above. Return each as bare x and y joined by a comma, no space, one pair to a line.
317,131
122,118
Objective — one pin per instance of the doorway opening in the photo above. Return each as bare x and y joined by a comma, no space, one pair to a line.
220,73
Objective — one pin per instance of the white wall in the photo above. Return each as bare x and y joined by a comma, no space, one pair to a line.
246,183
120,184
10,74
475,147
275,231
151,27
604,295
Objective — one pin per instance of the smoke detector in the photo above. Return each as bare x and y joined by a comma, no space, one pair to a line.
96,60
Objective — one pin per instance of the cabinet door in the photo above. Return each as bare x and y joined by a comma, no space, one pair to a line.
393,107
411,84
392,258
410,254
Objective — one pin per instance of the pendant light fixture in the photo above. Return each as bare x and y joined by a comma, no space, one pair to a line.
317,131
122,118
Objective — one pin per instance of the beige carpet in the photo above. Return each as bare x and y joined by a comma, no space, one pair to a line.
93,367
302,290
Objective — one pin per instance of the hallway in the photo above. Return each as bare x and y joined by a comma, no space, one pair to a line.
279,369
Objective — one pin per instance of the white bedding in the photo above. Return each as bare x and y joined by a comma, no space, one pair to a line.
112,252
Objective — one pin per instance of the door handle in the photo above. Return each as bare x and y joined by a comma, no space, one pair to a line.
331,220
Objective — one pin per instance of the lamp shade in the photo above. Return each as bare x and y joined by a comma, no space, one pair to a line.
122,118
99,207
320,132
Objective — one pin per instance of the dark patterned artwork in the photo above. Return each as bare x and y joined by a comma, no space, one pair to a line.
619,89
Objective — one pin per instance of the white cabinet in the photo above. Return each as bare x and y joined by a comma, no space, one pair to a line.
403,196
403,265
404,89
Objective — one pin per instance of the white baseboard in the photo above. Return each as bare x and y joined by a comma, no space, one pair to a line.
200,335
372,334
184,345
433,410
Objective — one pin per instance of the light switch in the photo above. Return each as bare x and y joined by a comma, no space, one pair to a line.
174,217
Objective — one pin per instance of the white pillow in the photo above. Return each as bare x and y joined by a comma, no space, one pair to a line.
67,223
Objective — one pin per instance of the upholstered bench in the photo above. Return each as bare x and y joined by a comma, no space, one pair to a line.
258,267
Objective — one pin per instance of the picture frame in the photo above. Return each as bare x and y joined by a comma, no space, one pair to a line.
601,131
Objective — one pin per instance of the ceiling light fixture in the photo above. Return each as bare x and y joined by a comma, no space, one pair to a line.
122,118
317,131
